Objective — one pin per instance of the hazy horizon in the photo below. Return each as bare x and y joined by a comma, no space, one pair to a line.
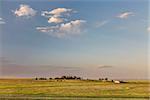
91,39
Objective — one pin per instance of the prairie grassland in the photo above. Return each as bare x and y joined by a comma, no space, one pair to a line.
73,89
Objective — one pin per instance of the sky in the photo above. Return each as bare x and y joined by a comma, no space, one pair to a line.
89,38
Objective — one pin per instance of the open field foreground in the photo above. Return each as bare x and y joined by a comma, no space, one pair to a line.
73,89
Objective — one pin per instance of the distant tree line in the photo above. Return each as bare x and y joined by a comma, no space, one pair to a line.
103,79
79,78
60,78
68,78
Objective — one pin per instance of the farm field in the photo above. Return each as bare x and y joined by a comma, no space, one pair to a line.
73,89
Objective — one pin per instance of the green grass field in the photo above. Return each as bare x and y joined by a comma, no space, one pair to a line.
29,88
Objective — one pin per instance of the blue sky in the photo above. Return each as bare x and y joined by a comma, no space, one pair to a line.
84,38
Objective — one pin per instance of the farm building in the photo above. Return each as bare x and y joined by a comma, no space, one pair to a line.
117,82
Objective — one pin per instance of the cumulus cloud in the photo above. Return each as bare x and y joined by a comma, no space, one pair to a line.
2,21
55,20
148,29
61,26
65,29
59,11
25,11
125,15
56,15
56,12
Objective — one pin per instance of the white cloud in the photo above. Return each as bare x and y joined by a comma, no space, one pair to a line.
64,29
125,15
2,21
55,20
25,11
148,29
56,12
56,15
102,23
59,11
